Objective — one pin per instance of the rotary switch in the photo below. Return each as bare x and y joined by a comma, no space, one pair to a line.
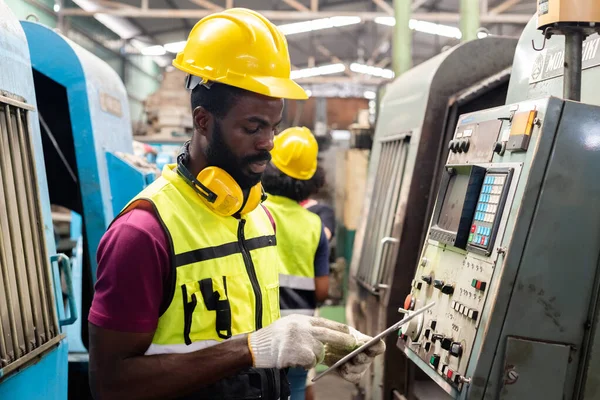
413,328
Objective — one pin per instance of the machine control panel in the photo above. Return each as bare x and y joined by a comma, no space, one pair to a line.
458,260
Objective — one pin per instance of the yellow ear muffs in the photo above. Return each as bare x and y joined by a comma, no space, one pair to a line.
228,197
220,192
255,197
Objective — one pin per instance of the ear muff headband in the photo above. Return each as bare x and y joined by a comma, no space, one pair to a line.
219,191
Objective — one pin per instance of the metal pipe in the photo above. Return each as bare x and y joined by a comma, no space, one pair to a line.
402,39
469,19
573,60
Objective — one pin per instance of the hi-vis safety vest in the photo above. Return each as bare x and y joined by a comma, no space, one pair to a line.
298,235
225,277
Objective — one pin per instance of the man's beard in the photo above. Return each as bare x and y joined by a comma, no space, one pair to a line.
219,155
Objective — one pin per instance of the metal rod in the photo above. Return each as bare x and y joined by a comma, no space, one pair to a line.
573,60
57,147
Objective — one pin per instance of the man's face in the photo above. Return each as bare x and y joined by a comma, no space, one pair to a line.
240,142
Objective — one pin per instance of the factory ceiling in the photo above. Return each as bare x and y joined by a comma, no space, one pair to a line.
348,40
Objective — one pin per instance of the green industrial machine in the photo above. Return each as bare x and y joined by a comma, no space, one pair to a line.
511,252
417,117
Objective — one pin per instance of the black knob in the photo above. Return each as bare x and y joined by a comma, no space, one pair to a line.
456,349
451,146
448,289
427,279
446,343
438,284
499,148
458,146
464,145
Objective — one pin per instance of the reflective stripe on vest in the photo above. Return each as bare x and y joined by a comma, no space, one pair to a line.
226,280
298,236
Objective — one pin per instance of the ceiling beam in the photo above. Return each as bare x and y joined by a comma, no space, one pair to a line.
296,5
314,5
439,17
228,3
418,4
504,6
325,51
384,6
207,4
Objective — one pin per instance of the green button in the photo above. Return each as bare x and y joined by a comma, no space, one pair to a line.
470,237
432,360
474,283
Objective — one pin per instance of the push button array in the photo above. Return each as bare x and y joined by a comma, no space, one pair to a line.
479,285
464,310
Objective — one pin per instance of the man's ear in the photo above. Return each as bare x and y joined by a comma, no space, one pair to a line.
202,120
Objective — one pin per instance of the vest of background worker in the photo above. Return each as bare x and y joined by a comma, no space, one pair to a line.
299,232
224,284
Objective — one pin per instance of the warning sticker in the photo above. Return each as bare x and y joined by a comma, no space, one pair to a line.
542,7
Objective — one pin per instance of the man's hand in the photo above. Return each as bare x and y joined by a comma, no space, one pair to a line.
303,341
353,370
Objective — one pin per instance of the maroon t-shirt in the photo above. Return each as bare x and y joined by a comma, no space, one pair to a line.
133,264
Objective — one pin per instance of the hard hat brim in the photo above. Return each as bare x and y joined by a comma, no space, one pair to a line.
282,88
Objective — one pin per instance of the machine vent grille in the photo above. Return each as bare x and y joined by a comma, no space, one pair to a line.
380,219
28,321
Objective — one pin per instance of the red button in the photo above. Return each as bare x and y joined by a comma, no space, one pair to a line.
473,228
449,374
483,240
478,286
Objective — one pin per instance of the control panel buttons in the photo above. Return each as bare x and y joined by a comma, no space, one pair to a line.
479,285
434,360
427,347
456,349
427,333
433,324
416,284
427,279
473,314
464,145
409,302
448,289
438,283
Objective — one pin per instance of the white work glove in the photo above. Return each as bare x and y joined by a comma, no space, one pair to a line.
304,341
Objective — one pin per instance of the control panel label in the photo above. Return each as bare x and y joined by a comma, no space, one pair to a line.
550,61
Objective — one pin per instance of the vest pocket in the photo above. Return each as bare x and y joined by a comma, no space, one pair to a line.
273,297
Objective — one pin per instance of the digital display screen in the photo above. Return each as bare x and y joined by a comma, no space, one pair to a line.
452,206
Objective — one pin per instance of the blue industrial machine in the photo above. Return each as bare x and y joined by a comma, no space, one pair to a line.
65,133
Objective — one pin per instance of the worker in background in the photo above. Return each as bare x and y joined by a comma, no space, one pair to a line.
327,215
301,240
186,304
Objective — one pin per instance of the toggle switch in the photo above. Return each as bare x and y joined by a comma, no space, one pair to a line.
427,279
438,283
435,337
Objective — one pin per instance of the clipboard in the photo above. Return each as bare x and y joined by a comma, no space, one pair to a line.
373,341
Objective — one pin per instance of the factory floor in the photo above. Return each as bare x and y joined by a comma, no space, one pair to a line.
333,387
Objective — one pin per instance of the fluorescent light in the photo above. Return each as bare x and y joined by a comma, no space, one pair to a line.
318,24
481,35
175,47
370,70
424,27
316,71
56,7
369,94
157,50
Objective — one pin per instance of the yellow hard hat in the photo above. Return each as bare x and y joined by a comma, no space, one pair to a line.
295,153
241,48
